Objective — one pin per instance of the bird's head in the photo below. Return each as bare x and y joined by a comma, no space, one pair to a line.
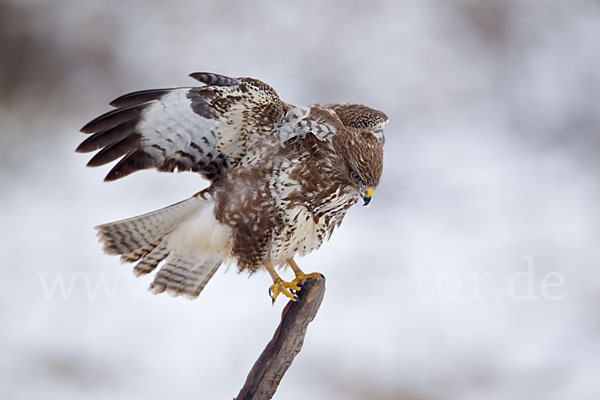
365,164
362,162
362,147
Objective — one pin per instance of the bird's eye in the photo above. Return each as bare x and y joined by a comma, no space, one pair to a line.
355,177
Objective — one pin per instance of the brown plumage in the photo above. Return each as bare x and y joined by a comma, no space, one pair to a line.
282,177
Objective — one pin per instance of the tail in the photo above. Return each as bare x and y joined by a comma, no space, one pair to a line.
182,235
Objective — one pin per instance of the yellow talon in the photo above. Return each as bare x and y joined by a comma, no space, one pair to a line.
282,287
301,277
288,289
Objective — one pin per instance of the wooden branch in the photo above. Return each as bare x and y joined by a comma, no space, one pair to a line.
276,358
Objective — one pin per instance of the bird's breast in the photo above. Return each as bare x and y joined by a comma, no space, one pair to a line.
305,229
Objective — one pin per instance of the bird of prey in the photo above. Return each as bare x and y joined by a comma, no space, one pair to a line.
282,177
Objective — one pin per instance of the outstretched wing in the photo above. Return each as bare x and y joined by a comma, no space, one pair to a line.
202,129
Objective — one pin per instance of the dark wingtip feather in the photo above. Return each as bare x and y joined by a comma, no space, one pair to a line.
107,137
211,79
129,164
110,177
115,150
113,118
82,148
139,97
113,175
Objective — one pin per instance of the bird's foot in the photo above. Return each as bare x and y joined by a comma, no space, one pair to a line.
302,277
288,289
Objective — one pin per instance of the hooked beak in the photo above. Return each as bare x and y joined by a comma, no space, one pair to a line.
367,196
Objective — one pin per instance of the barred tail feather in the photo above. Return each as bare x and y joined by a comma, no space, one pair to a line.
185,235
184,275
151,260
134,237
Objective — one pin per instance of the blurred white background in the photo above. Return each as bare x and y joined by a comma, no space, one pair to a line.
473,274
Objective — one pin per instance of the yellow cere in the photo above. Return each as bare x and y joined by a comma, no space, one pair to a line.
370,191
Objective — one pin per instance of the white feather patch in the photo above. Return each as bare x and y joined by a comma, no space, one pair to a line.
202,235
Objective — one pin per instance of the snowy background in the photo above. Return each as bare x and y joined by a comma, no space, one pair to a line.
473,274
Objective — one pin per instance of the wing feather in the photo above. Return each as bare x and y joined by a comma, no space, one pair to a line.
203,129
105,138
134,161
113,118
139,97
115,150
211,79
300,121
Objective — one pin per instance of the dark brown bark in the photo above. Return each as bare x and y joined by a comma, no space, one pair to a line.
276,358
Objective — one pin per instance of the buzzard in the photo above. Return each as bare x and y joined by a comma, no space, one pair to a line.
282,177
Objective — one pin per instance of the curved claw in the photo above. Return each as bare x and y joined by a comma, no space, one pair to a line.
288,289
271,296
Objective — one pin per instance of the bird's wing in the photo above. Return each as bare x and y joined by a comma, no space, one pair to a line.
203,129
